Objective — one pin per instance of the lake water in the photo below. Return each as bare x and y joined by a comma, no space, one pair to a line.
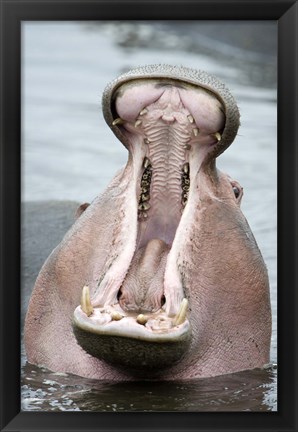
69,153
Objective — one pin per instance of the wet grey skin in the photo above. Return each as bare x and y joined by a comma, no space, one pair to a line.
160,276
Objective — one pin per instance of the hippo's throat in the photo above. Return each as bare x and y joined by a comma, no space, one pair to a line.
141,297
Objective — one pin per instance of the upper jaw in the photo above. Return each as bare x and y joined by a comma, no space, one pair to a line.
181,75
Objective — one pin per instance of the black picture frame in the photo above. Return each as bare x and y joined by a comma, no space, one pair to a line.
12,14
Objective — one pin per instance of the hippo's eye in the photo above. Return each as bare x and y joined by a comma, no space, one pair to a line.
236,191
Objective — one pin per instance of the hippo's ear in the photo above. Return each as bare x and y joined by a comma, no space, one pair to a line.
238,190
81,209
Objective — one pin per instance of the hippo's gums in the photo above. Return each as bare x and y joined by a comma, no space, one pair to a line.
160,277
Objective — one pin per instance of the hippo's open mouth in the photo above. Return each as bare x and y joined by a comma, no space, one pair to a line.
173,283
170,127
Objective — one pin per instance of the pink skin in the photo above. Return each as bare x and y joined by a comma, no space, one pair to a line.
146,261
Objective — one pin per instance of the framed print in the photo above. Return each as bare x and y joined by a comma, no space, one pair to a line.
70,72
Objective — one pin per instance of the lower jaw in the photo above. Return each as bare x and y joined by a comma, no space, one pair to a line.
139,356
125,342
129,340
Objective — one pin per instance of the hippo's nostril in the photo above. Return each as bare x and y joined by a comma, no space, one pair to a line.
162,300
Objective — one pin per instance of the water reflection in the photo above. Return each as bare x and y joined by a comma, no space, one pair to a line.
243,391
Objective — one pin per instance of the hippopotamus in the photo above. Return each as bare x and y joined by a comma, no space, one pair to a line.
160,277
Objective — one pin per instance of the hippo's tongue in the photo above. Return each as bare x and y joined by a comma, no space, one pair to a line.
142,288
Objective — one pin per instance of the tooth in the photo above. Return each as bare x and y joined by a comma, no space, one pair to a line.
144,206
186,168
146,162
187,147
144,111
142,215
181,315
145,197
118,121
217,135
195,131
116,316
190,118
147,141
142,319
85,301
138,123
